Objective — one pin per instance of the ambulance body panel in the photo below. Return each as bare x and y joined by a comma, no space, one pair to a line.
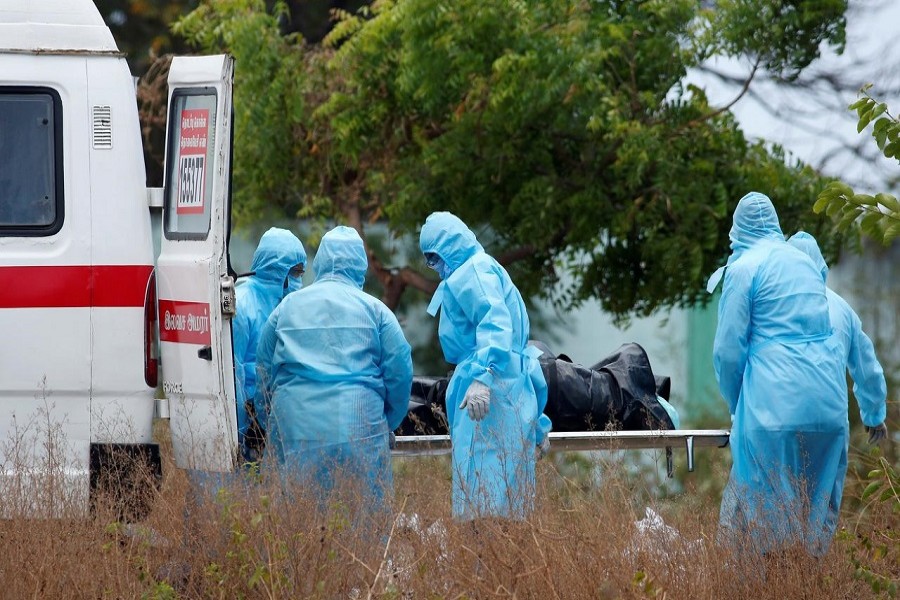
77,265
53,25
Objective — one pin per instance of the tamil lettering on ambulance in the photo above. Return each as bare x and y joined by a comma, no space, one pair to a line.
173,387
184,322
192,147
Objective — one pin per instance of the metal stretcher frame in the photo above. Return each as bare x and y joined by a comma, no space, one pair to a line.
430,445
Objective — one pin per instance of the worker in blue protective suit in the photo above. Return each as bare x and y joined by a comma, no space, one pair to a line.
858,354
781,372
497,394
276,270
278,262
869,385
335,375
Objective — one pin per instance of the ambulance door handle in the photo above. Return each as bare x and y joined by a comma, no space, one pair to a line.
205,353
226,286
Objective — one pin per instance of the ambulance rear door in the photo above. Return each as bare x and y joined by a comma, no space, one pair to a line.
194,280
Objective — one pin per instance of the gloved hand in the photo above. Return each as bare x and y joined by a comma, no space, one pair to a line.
392,440
477,400
877,433
543,448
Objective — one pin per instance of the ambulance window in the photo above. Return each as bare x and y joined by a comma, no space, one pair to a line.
31,190
190,163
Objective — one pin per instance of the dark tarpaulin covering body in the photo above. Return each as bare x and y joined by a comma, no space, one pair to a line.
619,392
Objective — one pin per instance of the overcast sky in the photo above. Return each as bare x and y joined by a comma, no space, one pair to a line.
811,119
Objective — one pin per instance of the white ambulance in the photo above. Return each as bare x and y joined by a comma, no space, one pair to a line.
82,297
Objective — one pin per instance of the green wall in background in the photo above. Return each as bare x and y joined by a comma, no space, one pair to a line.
704,404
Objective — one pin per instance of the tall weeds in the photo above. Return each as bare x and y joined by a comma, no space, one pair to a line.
252,535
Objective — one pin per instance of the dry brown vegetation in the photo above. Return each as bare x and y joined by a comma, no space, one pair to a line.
253,539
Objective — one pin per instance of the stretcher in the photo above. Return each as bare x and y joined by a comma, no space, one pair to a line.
688,439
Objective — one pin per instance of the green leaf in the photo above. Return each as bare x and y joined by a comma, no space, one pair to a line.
849,217
870,489
891,232
845,189
835,207
874,473
864,119
859,103
878,111
864,199
880,135
883,123
892,149
869,225
886,495
894,131
822,202
888,201
865,107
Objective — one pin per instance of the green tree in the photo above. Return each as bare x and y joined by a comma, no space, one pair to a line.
313,18
562,131
878,216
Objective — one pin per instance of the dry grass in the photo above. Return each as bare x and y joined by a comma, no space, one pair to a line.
254,539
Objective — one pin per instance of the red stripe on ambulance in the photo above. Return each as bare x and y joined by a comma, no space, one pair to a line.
76,286
184,322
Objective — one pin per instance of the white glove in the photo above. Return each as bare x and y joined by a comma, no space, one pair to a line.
543,448
477,400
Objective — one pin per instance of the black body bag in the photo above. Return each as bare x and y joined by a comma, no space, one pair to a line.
617,393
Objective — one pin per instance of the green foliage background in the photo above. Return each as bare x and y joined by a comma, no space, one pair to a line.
878,216
561,131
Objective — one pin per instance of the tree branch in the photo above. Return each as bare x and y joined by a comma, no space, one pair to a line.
516,254
522,252
395,281
719,111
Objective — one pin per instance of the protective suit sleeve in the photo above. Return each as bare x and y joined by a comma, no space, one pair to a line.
544,426
397,369
731,344
869,385
265,354
482,299
240,337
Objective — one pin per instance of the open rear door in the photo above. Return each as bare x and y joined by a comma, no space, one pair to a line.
196,290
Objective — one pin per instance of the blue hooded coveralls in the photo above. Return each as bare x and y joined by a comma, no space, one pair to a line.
484,331
858,353
278,251
782,375
335,373
869,385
